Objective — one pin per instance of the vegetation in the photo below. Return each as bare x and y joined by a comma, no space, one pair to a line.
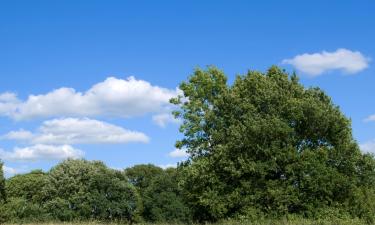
264,150
283,221
2,184
162,199
266,145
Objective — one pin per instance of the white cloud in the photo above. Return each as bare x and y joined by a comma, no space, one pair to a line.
8,103
8,171
112,97
368,147
370,118
20,135
41,152
8,97
164,118
178,153
166,166
78,131
317,63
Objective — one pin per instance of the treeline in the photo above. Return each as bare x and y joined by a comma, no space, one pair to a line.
262,147
80,190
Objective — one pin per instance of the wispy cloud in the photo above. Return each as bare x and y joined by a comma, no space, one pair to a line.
315,64
178,153
370,118
164,118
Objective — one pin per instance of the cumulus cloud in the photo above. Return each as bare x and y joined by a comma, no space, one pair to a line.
163,119
178,153
41,152
78,131
315,64
112,97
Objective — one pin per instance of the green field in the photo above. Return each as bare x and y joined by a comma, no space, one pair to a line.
265,222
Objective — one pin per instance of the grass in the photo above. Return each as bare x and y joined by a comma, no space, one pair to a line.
298,221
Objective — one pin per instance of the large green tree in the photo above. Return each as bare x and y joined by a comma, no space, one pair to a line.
268,144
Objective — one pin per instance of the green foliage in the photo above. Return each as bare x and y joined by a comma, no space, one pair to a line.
268,143
162,201
142,175
264,150
89,190
3,196
24,197
27,186
22,210
73,190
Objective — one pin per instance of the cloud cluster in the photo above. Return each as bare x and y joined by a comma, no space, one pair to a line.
41,152
77,131
112,97
53,140
315,64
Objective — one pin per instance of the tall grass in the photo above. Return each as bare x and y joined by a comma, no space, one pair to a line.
298,221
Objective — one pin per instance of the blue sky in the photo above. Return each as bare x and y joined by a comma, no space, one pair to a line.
76,57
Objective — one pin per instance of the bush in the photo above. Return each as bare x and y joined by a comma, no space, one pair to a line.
22,210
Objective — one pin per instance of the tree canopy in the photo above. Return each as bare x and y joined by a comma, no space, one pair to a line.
162,199
266,143
84,189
